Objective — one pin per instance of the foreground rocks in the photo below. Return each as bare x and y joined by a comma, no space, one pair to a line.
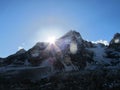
75,80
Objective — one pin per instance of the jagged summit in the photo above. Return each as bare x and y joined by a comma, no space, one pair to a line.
116,39
69,37
40,45
72,34
117,35
21,51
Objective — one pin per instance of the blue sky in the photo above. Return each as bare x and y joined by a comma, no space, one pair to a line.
24,22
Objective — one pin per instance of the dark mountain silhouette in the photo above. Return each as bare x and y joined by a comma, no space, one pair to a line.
70,63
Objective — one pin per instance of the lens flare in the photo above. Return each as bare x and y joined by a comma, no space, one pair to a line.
117,40
51,40
73,48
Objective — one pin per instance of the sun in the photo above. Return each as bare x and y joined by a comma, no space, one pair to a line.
51,40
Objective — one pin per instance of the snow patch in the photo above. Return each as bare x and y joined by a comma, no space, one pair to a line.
35,54
99,52
101,41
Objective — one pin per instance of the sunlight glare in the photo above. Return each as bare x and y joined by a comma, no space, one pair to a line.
51,40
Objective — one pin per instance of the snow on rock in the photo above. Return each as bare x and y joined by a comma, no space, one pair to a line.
99,53
48,63
35,54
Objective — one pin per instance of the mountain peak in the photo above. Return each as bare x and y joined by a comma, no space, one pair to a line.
116,39
117,35
115,42
20,51
72,34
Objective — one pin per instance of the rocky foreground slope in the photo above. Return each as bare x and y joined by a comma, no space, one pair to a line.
70,63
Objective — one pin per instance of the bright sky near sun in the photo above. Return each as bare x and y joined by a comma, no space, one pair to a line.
24,22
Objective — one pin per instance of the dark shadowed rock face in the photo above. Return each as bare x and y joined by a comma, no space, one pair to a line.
71,64
69,51
21,51
115,42
113,50
76,49
37,53
71,45
71,34
16,59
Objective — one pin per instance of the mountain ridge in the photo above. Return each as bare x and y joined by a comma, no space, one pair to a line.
64,43
71,62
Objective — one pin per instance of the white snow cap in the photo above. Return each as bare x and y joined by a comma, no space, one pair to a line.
101,41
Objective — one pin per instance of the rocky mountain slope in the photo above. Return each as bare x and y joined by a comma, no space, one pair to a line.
70,59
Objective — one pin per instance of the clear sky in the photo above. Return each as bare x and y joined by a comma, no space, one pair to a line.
24,22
